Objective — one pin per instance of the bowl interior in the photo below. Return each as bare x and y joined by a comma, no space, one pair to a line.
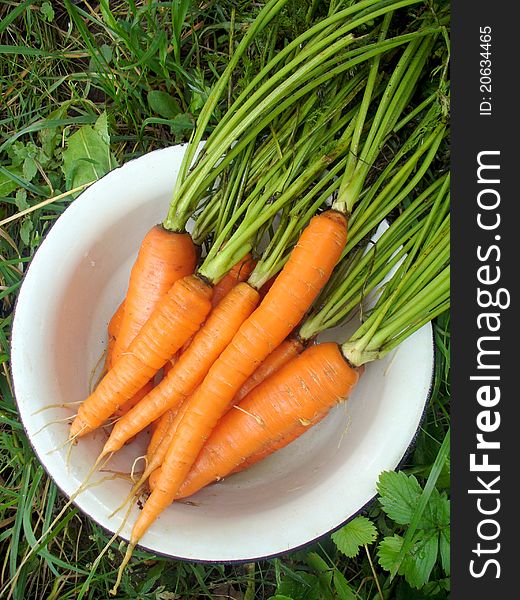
74,284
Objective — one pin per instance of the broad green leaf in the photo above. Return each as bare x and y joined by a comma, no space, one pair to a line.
388,551
25,230
353,535
279,597
422,559
87,156
49,136
101,127
21,200
7,185
29,168
342,587
417,565
163,104
399,494
181,124
444,549
307,587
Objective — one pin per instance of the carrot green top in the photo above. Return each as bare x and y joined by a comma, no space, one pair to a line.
325,55
299,179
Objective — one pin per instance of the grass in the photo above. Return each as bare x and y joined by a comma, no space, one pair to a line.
147,65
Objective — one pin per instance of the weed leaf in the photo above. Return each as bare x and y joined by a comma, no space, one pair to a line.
163,104
399,494
306,587
353,535
444,549
417,564
342,587
8,185
87,156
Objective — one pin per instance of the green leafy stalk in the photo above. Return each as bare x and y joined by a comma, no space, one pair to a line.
269,11
417,292
266,103
396,97
219,260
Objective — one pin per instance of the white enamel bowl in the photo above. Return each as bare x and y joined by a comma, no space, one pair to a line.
77,279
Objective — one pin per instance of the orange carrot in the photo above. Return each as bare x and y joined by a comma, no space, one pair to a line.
152,480
114,326
163,258
272,446
285,352
284,405
134,400
273,363
144,391
309,267
269,448
161,445
267,286
177,316
161,426
238,273
191,367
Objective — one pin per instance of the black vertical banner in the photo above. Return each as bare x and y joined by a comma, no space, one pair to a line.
485,245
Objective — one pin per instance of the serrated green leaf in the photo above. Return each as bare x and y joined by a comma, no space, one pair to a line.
87,156
163,104
279,597
436,588
422,559
417,565
47,11
399,494
353,535
431,507
436,512
388,551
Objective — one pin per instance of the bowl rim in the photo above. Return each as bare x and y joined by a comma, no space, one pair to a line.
142,546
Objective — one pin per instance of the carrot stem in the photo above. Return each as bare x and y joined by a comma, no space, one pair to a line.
259,111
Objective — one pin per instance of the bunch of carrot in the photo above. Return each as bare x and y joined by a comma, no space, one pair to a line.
223,331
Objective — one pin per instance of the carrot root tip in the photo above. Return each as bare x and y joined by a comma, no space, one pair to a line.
126,560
